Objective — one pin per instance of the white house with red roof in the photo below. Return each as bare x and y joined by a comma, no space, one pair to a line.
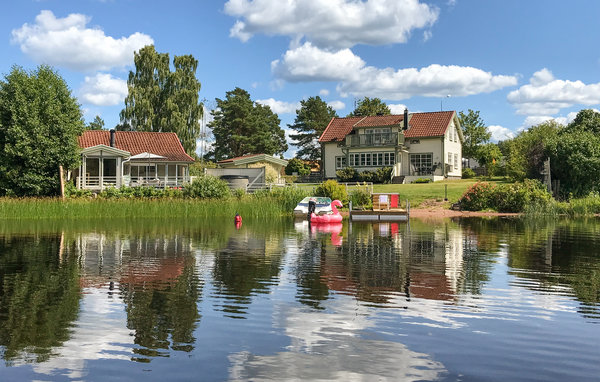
131,158
415,145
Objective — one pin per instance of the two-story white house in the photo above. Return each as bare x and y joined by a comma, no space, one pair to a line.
416,145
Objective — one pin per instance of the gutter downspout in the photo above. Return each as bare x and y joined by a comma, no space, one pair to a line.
444,156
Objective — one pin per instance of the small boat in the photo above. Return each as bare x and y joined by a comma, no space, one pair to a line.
333,217
322,206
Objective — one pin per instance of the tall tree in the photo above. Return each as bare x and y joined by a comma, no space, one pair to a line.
96,124
39,124
586,120
311,120
475,133
241,126
370,106
162,100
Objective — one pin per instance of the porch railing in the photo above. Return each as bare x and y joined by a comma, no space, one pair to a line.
372,140
99,183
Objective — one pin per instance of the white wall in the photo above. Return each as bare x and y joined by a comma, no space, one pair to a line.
331,151
453,146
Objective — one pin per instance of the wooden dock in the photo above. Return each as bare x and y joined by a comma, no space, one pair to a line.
385,208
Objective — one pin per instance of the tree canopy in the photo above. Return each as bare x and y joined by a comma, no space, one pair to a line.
241,126
311,120
96,124
39,124
162,100
474,131
369,107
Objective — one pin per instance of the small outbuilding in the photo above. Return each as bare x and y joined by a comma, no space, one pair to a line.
274,167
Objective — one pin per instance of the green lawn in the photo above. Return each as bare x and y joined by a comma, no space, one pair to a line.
417,193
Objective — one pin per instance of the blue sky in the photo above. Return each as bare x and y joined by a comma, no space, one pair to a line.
517,62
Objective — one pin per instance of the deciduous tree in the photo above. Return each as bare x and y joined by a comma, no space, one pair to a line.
39,124
311,120
162,100
475,133
242,127
96,124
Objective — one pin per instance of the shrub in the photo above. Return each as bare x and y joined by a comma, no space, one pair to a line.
333,190
72,192
296,165
468,173
477,197
361,197
239,193
422,180
207,186
347,174
517,197
383,175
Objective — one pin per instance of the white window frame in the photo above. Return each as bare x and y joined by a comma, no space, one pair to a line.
340,162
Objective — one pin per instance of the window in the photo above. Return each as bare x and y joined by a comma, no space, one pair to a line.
340,162
421,163
378,159
456,161
449,158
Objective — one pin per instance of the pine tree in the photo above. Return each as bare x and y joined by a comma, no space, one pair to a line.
311,120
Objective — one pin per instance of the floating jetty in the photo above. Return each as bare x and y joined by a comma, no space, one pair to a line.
385,208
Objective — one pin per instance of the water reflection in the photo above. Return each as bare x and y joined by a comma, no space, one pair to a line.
283,301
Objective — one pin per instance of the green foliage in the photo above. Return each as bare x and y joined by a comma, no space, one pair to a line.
333,190
140,193
163,100
525,154
489,155
39,124
361,198
348,174
468,173
197,168
287,197
514,197
369,107
72,192
311,120
423,180
239,193
586,120
475,133
296,165
380,175
242,127
575,156
207,186
96,124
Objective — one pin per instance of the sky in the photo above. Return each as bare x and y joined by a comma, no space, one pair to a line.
517,62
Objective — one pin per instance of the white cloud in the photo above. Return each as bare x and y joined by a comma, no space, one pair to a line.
280,107
500,133
336,105
309,63
67,42
324,92
103,90
331,23
397,108
427,35
545,95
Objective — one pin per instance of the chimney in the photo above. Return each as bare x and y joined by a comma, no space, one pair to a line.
405,119
112,137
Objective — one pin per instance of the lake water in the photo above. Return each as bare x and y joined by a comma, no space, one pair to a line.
455,300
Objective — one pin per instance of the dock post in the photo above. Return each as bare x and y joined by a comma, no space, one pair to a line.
407,209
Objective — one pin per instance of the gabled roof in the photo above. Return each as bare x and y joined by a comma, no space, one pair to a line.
253,158
421,125
165,145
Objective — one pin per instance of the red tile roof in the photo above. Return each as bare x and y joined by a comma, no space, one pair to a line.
137,142
380,120
338,128
421,125
432,124
238,158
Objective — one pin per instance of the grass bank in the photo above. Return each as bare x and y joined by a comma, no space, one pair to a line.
45,208
417,193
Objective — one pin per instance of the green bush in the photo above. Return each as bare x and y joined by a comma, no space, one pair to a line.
383,175
347,174
333,190
477,197
239,193
207,186
361,198
468,173
72,192
296,165
422,180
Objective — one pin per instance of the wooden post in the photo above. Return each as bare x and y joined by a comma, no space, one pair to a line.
62,181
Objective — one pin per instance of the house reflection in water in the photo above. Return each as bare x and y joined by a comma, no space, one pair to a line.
379,262
157,281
